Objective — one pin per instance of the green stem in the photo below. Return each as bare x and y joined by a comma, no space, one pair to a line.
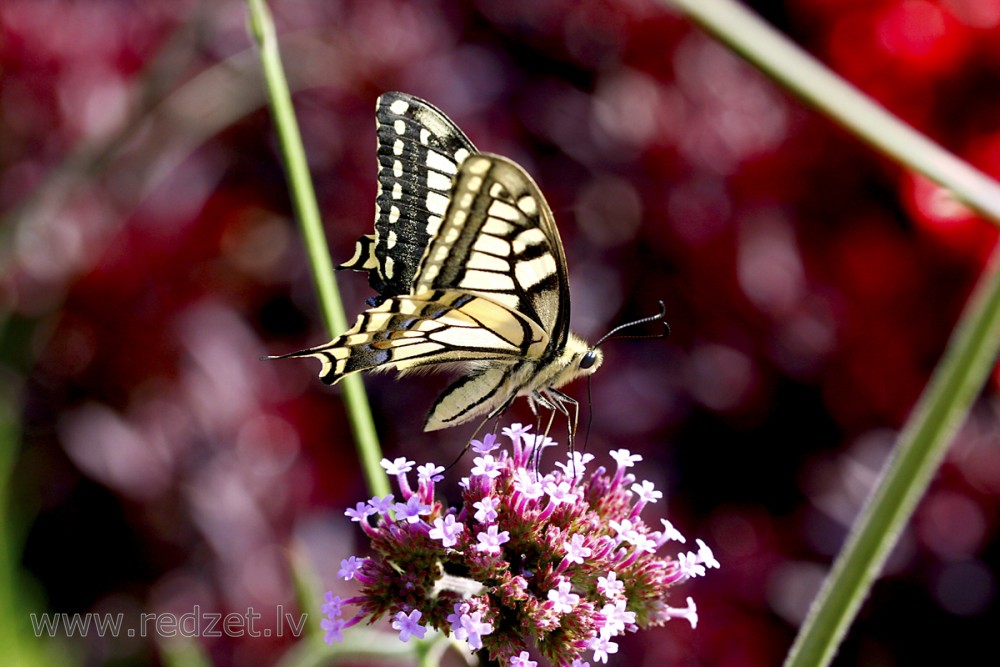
307,212
798,71
957,380
968,358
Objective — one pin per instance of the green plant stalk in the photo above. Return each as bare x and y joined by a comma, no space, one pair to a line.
968,358
19,592
307,212
10,641
802,74
957,380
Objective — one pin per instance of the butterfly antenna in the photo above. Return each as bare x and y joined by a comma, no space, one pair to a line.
642,320
614,334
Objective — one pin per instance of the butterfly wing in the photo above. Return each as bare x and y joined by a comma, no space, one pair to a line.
431,328
419,150
499,240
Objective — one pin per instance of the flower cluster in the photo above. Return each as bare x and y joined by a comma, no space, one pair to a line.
560,563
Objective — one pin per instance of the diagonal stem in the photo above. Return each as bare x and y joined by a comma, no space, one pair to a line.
307,213
799,72
968,358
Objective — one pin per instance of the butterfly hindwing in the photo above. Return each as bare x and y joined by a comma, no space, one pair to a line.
436,327
419,151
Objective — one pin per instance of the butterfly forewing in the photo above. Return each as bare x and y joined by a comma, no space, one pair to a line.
419,150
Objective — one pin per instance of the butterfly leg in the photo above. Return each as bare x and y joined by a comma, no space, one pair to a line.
532,403
564,403
535,399
558,401
551,402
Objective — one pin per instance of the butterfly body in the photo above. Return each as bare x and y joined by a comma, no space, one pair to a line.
469,271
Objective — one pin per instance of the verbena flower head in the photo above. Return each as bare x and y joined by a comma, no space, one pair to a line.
560,563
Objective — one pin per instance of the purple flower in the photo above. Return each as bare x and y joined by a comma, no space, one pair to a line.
690,565
486,509
398,466
690,613
560,492
623,530
528,485
408,625
333,624
486,445
555,563
381,506
468,626
576,465
602,646
349,567
616,619
411,510
332,604
446,530
562,599
515,432
575,551
624,458
332,630
670,533
705,555
521,660
486,465
610,586
430,472
490,540
360,512
644,542
535,443
646,492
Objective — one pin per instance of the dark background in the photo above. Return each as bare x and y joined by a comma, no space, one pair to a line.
149,259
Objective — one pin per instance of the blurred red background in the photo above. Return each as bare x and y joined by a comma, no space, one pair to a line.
149,259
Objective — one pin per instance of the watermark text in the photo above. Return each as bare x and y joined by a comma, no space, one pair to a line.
195,623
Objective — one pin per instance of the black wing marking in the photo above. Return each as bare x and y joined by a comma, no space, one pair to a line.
499,240
419,150
437,327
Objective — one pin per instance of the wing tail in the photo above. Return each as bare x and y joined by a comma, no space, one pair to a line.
364,255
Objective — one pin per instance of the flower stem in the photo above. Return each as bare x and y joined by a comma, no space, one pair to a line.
799,72
968,358
307,212
957,380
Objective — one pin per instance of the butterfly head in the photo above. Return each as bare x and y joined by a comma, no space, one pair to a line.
582,357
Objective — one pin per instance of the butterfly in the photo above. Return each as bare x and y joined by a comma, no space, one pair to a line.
469,271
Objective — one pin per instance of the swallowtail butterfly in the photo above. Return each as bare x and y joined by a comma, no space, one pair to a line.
469,270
